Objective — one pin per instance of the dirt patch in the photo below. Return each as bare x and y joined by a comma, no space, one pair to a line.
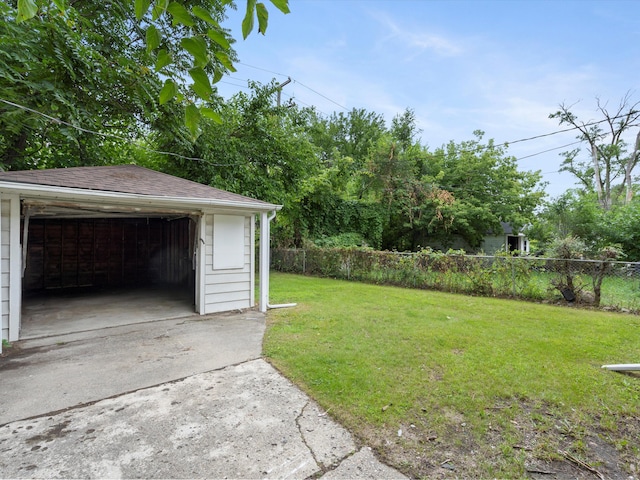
9,349
534,443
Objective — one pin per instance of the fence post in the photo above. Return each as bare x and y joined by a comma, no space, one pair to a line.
304,261
513,277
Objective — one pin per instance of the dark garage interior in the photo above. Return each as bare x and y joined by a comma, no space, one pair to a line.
108,252
75,262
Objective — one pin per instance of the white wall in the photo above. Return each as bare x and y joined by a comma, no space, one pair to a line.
226,288
5,209
10,261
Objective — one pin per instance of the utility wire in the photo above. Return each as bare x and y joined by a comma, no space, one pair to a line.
504,144
198,159
296,81
263,69
549,150
111,135
318,93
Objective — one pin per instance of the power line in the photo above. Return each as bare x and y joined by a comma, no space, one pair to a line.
296,81
111,135
198,159
263,69
549,150
504,144
323,96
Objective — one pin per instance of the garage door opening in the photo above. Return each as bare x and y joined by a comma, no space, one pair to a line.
89,273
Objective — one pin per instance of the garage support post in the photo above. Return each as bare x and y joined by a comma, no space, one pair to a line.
265,235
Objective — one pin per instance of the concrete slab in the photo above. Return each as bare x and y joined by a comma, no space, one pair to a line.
59,312
66,370
187,398
240,422
363,464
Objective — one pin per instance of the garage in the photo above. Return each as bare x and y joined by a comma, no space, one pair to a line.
85,233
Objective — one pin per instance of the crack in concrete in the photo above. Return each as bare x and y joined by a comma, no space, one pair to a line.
323,469
121,394
304,439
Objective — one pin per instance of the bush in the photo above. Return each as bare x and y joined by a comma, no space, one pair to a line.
343,240
505,274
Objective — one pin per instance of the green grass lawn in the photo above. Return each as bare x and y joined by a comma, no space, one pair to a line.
452,385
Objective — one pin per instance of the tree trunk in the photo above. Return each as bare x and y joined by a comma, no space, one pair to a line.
597,179
631,163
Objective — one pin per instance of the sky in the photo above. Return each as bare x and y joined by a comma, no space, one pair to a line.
461,65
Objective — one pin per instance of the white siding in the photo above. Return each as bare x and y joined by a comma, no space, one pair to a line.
10,261
228,289
5,209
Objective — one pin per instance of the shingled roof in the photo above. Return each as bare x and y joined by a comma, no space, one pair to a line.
125,179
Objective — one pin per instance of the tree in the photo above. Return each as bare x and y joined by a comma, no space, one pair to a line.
118,68
352,134
487,188
259,149
575,213
608,158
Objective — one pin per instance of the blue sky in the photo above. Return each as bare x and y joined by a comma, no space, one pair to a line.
461,65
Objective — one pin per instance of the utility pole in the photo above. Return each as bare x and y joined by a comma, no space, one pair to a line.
279,87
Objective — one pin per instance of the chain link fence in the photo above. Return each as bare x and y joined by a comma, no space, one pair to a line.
606,284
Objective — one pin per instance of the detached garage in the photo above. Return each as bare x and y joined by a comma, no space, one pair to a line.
118,227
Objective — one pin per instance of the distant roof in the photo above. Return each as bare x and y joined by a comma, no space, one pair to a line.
125,179
507,228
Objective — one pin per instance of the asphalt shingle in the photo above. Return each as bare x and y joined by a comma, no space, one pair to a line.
131,179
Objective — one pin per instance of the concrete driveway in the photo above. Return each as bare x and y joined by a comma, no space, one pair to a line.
182,398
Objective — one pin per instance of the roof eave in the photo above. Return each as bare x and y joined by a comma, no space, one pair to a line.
52,192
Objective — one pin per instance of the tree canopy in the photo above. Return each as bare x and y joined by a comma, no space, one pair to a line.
94,83
608,158
122,69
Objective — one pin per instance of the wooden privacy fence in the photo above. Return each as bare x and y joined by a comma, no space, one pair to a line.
607,284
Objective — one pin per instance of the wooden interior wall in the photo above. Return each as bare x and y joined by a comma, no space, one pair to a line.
63,253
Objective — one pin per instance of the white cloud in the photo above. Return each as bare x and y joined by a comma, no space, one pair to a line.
414,38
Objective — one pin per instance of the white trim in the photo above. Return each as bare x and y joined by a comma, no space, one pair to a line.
201,266
15,273
65,193
1,321
264,260
252,268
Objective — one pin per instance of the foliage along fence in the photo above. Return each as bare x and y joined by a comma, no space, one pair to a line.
607,284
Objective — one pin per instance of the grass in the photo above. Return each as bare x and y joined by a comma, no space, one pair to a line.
491,385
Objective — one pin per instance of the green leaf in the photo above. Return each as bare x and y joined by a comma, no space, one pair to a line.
218,37
197,47
192,119
217,76
282,5
263,17
153,38
60,4
211,114
203,14
224,59
247,22
26,9
164,59
201,84
180,14
168,91
142,6
159,7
